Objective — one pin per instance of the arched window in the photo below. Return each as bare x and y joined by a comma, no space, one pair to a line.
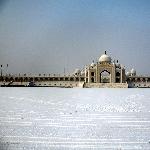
6,79
92,73
61,79
21,79
16,79
55,79
46,79
11,79
71,79
66,79
1,79
51,79
36,79
25,79
105,77
30,79
82,79
41,79
77,79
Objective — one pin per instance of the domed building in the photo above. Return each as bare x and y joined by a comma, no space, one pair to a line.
104,71
133,72
77,72
128,74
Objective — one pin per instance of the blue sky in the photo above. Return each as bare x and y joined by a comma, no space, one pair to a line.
44,36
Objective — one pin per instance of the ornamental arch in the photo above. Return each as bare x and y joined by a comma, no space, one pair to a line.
105,76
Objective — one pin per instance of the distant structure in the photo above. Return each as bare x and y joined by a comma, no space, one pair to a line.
136,81
104,73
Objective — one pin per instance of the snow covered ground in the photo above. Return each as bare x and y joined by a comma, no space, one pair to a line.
78,119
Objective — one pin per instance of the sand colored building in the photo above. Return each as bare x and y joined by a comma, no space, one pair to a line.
104,73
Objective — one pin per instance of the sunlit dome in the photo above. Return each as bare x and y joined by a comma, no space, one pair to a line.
105,58
77,71
92,64
128,74
133,71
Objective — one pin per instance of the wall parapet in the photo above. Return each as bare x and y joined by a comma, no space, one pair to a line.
106,85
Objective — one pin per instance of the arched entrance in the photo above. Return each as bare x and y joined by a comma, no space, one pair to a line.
105,77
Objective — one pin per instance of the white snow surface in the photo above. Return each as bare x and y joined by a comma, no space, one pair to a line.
74,119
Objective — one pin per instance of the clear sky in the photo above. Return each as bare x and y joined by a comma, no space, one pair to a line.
44,36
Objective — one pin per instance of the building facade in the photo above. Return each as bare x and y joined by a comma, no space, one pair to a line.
100,74
104,71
